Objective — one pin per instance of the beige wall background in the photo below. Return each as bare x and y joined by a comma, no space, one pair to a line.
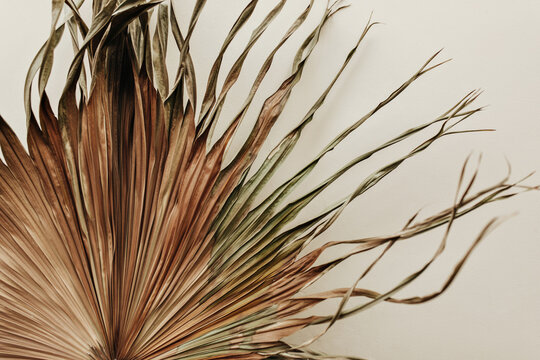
492,311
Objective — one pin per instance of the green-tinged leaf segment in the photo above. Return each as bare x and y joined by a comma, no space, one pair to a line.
125,236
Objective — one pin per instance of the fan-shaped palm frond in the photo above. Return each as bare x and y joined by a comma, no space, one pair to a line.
124,234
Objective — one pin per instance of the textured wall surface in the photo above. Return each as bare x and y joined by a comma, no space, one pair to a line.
492,311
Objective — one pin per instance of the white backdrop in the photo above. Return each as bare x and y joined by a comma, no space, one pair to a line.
493,309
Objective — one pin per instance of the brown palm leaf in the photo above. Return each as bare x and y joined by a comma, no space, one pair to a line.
124,234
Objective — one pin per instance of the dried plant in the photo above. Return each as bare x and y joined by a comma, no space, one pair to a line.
124,234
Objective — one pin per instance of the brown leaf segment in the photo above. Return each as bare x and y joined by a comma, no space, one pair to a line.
123,233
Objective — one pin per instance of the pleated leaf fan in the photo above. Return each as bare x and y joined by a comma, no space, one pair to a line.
125,235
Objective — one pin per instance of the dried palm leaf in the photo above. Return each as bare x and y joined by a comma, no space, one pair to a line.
125,235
